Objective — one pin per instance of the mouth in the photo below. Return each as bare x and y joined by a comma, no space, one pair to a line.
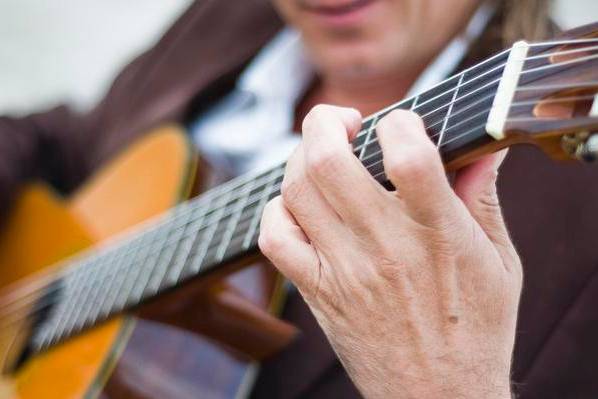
339,12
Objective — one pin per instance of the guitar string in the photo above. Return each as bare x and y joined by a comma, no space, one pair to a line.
531,70
544,55
368,166
219,193
371,155
551,65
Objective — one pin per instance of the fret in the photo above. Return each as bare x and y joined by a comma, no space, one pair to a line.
71,316
414,103
211,253
71,308
230,229
276,174
433,107
249,213
147,264
361,136
186,245
96,295
48,330
486,67
93,295
368,137
448,112
131,274
160,274
198,259
169,243
115,279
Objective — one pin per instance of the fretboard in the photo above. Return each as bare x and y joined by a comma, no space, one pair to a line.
211,230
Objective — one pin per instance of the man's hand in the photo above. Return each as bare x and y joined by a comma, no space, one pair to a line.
417,290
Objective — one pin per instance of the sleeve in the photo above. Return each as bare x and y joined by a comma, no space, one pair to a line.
44,146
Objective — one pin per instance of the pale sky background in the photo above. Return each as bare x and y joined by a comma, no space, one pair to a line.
54,51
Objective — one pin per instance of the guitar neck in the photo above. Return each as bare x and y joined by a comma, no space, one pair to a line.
211,230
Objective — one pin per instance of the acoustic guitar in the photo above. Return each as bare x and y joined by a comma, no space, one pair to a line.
125,289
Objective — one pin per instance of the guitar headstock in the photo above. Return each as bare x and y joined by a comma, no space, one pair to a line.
548,96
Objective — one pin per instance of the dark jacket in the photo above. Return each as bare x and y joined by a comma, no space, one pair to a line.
551,209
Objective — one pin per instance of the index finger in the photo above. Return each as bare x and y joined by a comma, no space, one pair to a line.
336,171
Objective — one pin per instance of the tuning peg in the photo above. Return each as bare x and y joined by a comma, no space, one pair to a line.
588,150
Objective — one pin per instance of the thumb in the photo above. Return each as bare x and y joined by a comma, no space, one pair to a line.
476,186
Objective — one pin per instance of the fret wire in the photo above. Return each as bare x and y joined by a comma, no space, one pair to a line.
378,161
48,331
147,260
255,226
105,307
368,137
375,139
100,310
198,259
448,113
233,221
92,296
132,273
72,308
176,270
169,246
248,234
463,110
70,318
475,91
149,266
97,296
477,77
276,173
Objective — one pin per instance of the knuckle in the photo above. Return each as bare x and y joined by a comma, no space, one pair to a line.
324,162
411,164
315,115
414,162
392,272
292,191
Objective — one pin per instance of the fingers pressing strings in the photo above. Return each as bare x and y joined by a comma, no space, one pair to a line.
283,241
330,163
414,167
306,204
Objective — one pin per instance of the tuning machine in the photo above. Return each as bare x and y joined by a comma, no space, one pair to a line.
588,151
582,146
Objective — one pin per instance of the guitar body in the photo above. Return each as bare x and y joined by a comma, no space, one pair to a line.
159,351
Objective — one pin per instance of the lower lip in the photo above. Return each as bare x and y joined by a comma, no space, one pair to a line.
344,17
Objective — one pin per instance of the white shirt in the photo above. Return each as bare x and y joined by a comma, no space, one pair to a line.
252,127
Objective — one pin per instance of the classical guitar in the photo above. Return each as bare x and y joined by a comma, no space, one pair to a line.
170,306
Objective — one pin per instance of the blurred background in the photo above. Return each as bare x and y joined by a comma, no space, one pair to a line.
69,50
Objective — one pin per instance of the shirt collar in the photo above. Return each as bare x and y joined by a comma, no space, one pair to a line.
280,71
